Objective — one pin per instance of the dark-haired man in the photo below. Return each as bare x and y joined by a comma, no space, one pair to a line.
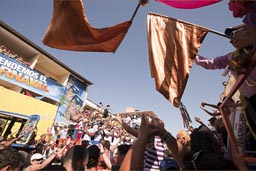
10,159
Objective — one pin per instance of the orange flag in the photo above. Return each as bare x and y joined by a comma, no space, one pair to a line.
69,29
172,46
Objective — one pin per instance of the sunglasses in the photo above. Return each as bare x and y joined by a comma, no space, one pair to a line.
38,159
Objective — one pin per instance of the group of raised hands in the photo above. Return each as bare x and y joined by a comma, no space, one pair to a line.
151,126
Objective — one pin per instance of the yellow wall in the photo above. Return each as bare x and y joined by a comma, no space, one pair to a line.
12,101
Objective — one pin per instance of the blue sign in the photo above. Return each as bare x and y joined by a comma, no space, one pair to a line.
21,75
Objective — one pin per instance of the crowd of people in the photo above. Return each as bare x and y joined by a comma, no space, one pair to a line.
10,54
132,141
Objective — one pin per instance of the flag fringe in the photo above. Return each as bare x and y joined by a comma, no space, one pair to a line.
185,115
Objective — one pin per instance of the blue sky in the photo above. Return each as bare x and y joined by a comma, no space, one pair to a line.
123,79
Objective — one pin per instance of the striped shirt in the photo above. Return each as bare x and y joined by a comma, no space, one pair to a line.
154,156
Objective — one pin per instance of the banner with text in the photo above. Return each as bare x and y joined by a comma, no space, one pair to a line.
21,75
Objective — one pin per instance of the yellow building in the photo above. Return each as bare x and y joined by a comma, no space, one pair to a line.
34,82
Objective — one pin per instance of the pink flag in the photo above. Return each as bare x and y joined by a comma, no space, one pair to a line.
188,4
172,46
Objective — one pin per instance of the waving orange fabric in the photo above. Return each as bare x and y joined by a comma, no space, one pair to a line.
69,29
173,46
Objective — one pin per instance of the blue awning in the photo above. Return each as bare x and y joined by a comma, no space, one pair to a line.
12,114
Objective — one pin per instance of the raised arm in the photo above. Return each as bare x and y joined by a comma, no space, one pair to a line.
219,62
126,127
105,157
208,112
178,150
35,167
134,158
11,141
203,104
198,120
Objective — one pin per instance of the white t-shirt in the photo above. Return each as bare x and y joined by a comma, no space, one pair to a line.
86,137
63,133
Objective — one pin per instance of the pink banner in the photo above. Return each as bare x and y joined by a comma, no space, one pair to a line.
188,4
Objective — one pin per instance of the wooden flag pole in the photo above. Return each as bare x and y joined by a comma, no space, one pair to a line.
219,33
185,22
135,12
210,30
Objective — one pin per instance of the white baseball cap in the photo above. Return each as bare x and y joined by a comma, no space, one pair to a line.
36,156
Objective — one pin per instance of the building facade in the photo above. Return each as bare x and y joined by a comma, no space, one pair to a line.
32,81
